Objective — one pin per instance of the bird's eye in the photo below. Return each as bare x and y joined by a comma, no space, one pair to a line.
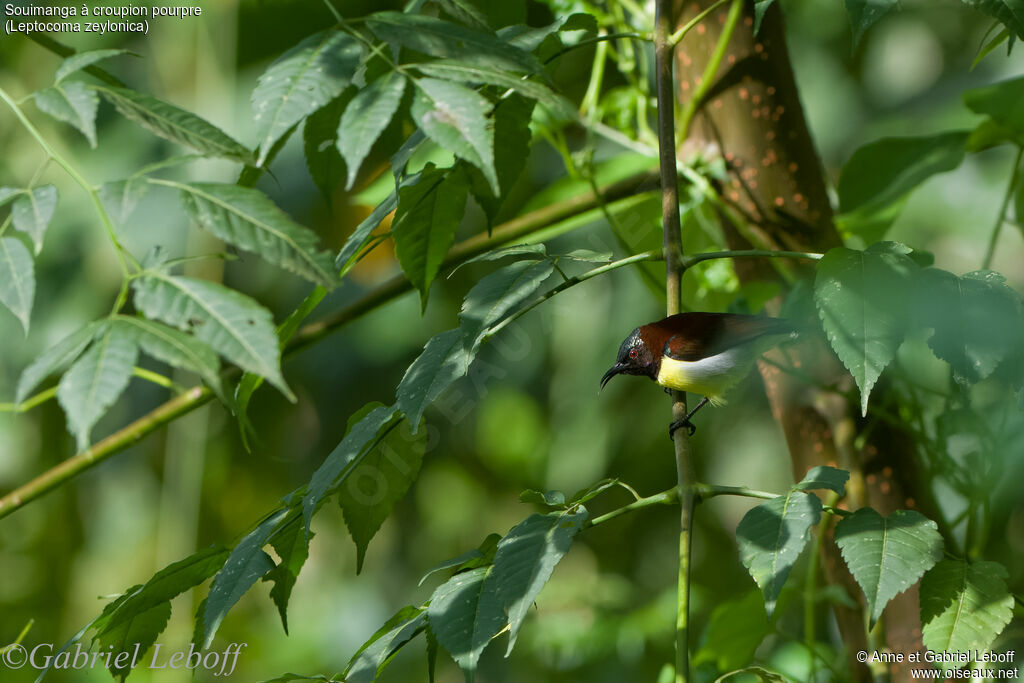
632,353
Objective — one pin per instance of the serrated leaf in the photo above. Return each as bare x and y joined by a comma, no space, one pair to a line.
465,71
964,606
499,293
771,537
55,359
887,555
361,235
1009,12
458,119
366,117
74,103
300,81
374,654
346,456
379,481
511,145
975,317
444,360
96,380
248,219
427,216
292,546
440,38
537,251
175,348
465,614
319,141
79,61
525,558
17,279
863,305
875,181
175,124
133,636
120,197
864,13
32,211
246,564
168,583
234,325
825,477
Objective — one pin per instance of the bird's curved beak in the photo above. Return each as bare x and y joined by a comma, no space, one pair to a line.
615,370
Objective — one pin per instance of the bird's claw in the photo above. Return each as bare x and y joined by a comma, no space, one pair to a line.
690,428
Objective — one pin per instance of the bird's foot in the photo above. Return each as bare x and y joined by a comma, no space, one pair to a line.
685,422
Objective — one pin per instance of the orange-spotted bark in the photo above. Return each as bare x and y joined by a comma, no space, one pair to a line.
751,117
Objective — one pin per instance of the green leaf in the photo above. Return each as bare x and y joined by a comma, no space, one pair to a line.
302,80
760,7
511,141
964,606
168,583
887,555
365,119
863,305
32,211
174,124
1001,104
320,137
79,61
55,359
248,219
733,633
428,214
465,614
467,72
96,380
536,251
825,477
877,178
588,256
379,481
292,546
132,638
992,44
1010,12
246,564
526,557
771,537
499,293
17,279
444,360
457,119
480,556
74,103
234,325
364,427
175,348
120,197
374,654
545,498
863,13
465,12
440,38
361,235
976,319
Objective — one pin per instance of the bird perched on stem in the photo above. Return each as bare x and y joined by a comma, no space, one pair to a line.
702,353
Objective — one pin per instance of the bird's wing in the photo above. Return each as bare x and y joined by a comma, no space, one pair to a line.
714,335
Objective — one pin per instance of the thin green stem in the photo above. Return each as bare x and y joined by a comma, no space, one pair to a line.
748,253
664,498
596,39
588,106
156,378
84,184
29,403
688,26
990,252
811,586
654,255
708,77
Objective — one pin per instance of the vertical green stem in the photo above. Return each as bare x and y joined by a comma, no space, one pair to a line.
673,284
1001,216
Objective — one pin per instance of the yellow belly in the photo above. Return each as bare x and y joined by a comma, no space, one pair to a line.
710,377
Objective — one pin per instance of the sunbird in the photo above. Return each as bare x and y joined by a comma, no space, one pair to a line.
702,353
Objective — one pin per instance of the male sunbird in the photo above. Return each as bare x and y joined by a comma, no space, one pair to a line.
702,353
